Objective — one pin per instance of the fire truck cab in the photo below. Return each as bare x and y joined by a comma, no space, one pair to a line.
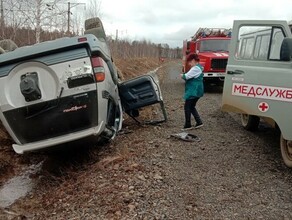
211,44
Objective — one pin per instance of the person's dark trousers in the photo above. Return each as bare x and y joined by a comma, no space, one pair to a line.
190,109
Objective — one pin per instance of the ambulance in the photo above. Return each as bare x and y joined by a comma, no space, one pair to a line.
258,83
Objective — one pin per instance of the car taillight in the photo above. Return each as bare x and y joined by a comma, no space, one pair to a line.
98,69
82,39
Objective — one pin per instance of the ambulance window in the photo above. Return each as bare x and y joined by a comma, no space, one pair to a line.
276,43
247,48
242,45
264,47
257,47
254,42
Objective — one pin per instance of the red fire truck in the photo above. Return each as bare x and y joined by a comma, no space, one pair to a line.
211,44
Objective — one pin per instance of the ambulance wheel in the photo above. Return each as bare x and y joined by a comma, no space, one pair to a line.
250,122
286,151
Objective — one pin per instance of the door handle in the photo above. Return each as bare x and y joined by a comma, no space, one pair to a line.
235,72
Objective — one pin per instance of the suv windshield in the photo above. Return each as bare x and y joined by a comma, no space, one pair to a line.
214,45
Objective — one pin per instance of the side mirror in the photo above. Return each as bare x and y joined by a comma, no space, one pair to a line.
286,49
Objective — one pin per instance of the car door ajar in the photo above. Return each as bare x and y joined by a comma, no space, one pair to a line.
140,92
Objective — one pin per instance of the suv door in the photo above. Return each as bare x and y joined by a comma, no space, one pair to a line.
140,92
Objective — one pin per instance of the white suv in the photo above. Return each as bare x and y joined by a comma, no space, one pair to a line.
67,89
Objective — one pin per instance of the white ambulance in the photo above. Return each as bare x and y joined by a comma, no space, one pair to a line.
258,83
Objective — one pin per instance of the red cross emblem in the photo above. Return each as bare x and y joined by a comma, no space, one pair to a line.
263,107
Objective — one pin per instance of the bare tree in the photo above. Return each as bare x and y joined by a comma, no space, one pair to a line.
29,21
94,9
2,14
36,14
10,16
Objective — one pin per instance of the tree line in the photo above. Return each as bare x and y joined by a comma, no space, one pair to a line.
35,21
120,48
143,48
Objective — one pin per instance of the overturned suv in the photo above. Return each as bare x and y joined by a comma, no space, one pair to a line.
67,89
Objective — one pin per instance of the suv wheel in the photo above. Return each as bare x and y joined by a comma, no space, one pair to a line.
250,122
112,122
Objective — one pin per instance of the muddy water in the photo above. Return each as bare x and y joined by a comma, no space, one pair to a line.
18,186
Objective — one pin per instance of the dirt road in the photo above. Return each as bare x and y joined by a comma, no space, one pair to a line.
146,174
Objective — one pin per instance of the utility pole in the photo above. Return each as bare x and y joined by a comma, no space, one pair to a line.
69,14
68,23
38,24
2,15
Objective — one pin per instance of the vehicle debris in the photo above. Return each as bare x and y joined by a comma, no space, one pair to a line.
186,137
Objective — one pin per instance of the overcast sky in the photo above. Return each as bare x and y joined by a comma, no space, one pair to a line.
172,21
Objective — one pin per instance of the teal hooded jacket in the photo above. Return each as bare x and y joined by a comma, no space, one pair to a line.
194,86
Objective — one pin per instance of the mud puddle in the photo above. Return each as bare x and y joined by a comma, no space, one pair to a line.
19,186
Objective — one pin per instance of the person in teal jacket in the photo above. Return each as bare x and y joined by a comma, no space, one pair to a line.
194,90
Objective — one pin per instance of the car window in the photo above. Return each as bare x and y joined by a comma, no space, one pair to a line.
214,45
261,47
254,42
247,48
259,43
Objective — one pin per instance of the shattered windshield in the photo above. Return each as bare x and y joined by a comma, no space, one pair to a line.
214,45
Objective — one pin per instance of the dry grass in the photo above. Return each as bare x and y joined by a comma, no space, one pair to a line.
132,67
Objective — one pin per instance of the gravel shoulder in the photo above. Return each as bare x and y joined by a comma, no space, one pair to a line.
147,174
